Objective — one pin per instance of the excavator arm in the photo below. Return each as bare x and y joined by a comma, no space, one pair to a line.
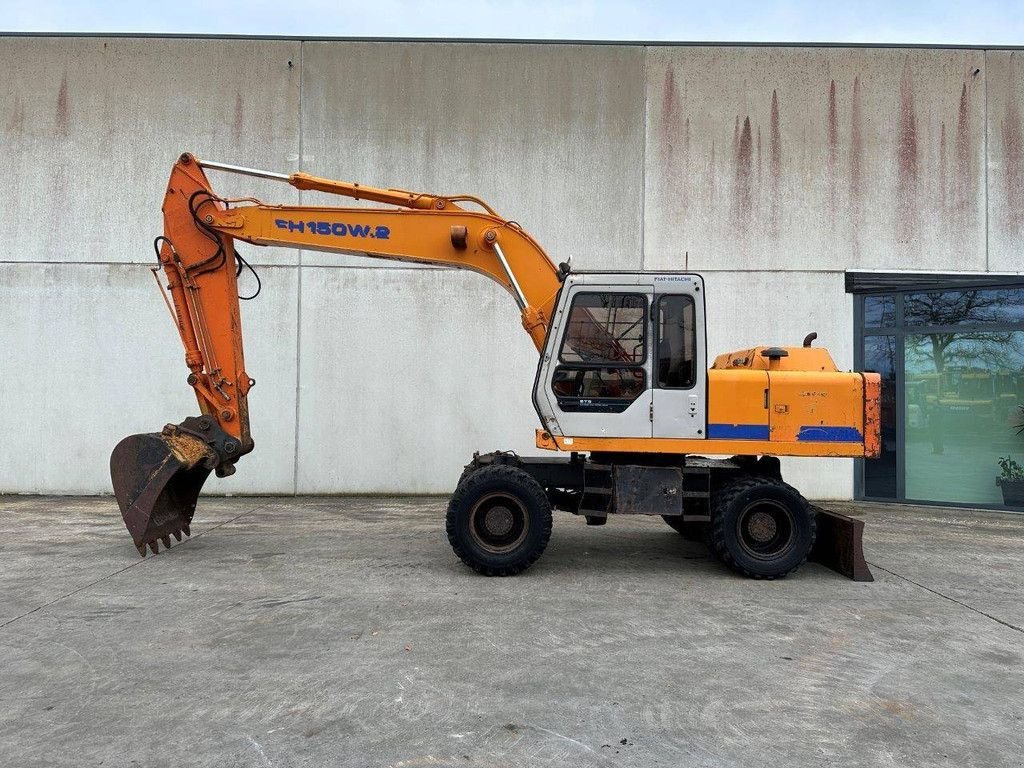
157,477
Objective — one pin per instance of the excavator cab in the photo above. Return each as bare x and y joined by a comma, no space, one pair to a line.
625,358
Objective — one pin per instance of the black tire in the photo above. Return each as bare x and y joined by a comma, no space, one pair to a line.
689,531
499,520
761,527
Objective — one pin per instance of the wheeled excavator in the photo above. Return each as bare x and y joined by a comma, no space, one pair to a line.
634,418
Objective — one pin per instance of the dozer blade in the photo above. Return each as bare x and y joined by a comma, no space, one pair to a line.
157,479
840,545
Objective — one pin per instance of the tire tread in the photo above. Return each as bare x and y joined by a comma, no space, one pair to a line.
524,484
727,496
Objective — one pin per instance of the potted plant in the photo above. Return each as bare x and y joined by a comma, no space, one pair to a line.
1011,474
1011,480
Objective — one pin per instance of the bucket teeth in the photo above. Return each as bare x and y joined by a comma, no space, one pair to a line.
157,479
187,531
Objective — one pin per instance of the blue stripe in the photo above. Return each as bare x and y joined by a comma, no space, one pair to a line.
814,434
830,434
738,431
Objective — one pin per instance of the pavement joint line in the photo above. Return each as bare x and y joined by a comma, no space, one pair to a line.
137,563
947,597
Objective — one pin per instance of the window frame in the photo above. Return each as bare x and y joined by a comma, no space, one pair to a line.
604,362
656,316
900,329
574,403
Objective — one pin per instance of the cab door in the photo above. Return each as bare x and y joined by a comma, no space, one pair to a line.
679,359
595,377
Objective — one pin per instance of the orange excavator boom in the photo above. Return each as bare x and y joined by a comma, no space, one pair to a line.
157,477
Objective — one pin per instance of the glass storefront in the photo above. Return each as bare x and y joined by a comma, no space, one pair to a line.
952,366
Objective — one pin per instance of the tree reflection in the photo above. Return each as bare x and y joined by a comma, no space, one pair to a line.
974,374
952,308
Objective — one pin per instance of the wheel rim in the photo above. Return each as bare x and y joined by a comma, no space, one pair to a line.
764,529
498,523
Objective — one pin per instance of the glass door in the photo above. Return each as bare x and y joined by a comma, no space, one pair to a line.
952,366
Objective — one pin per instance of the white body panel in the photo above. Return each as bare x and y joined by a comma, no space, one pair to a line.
682,412
653,411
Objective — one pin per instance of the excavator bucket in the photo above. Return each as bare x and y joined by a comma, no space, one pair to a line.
157,479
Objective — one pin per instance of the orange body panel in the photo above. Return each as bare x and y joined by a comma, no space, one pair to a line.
796,359
872,415
805,404
737,397
795,405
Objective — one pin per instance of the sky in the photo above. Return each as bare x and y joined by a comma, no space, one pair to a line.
979,22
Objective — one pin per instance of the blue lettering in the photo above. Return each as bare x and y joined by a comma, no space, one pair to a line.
337,229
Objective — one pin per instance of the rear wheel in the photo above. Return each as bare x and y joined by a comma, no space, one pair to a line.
499,520
761,527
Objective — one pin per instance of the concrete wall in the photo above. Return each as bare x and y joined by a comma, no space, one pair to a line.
771,170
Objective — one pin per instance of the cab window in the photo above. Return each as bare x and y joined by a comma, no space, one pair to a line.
676,358
603,353
605,328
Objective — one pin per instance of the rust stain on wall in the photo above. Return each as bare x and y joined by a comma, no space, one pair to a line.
711,175
63,107
669,116
236,127
16,121
758,152
833,123
674,141
744,166
1013,156
856,146
59,171
906,161
963,175
774,163
943,169
856,192
833,148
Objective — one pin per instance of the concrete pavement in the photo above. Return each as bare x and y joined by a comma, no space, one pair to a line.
335,631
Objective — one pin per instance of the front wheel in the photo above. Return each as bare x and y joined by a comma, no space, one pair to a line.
761,527
499,520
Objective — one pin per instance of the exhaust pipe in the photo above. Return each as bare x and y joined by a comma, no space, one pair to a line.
157,477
